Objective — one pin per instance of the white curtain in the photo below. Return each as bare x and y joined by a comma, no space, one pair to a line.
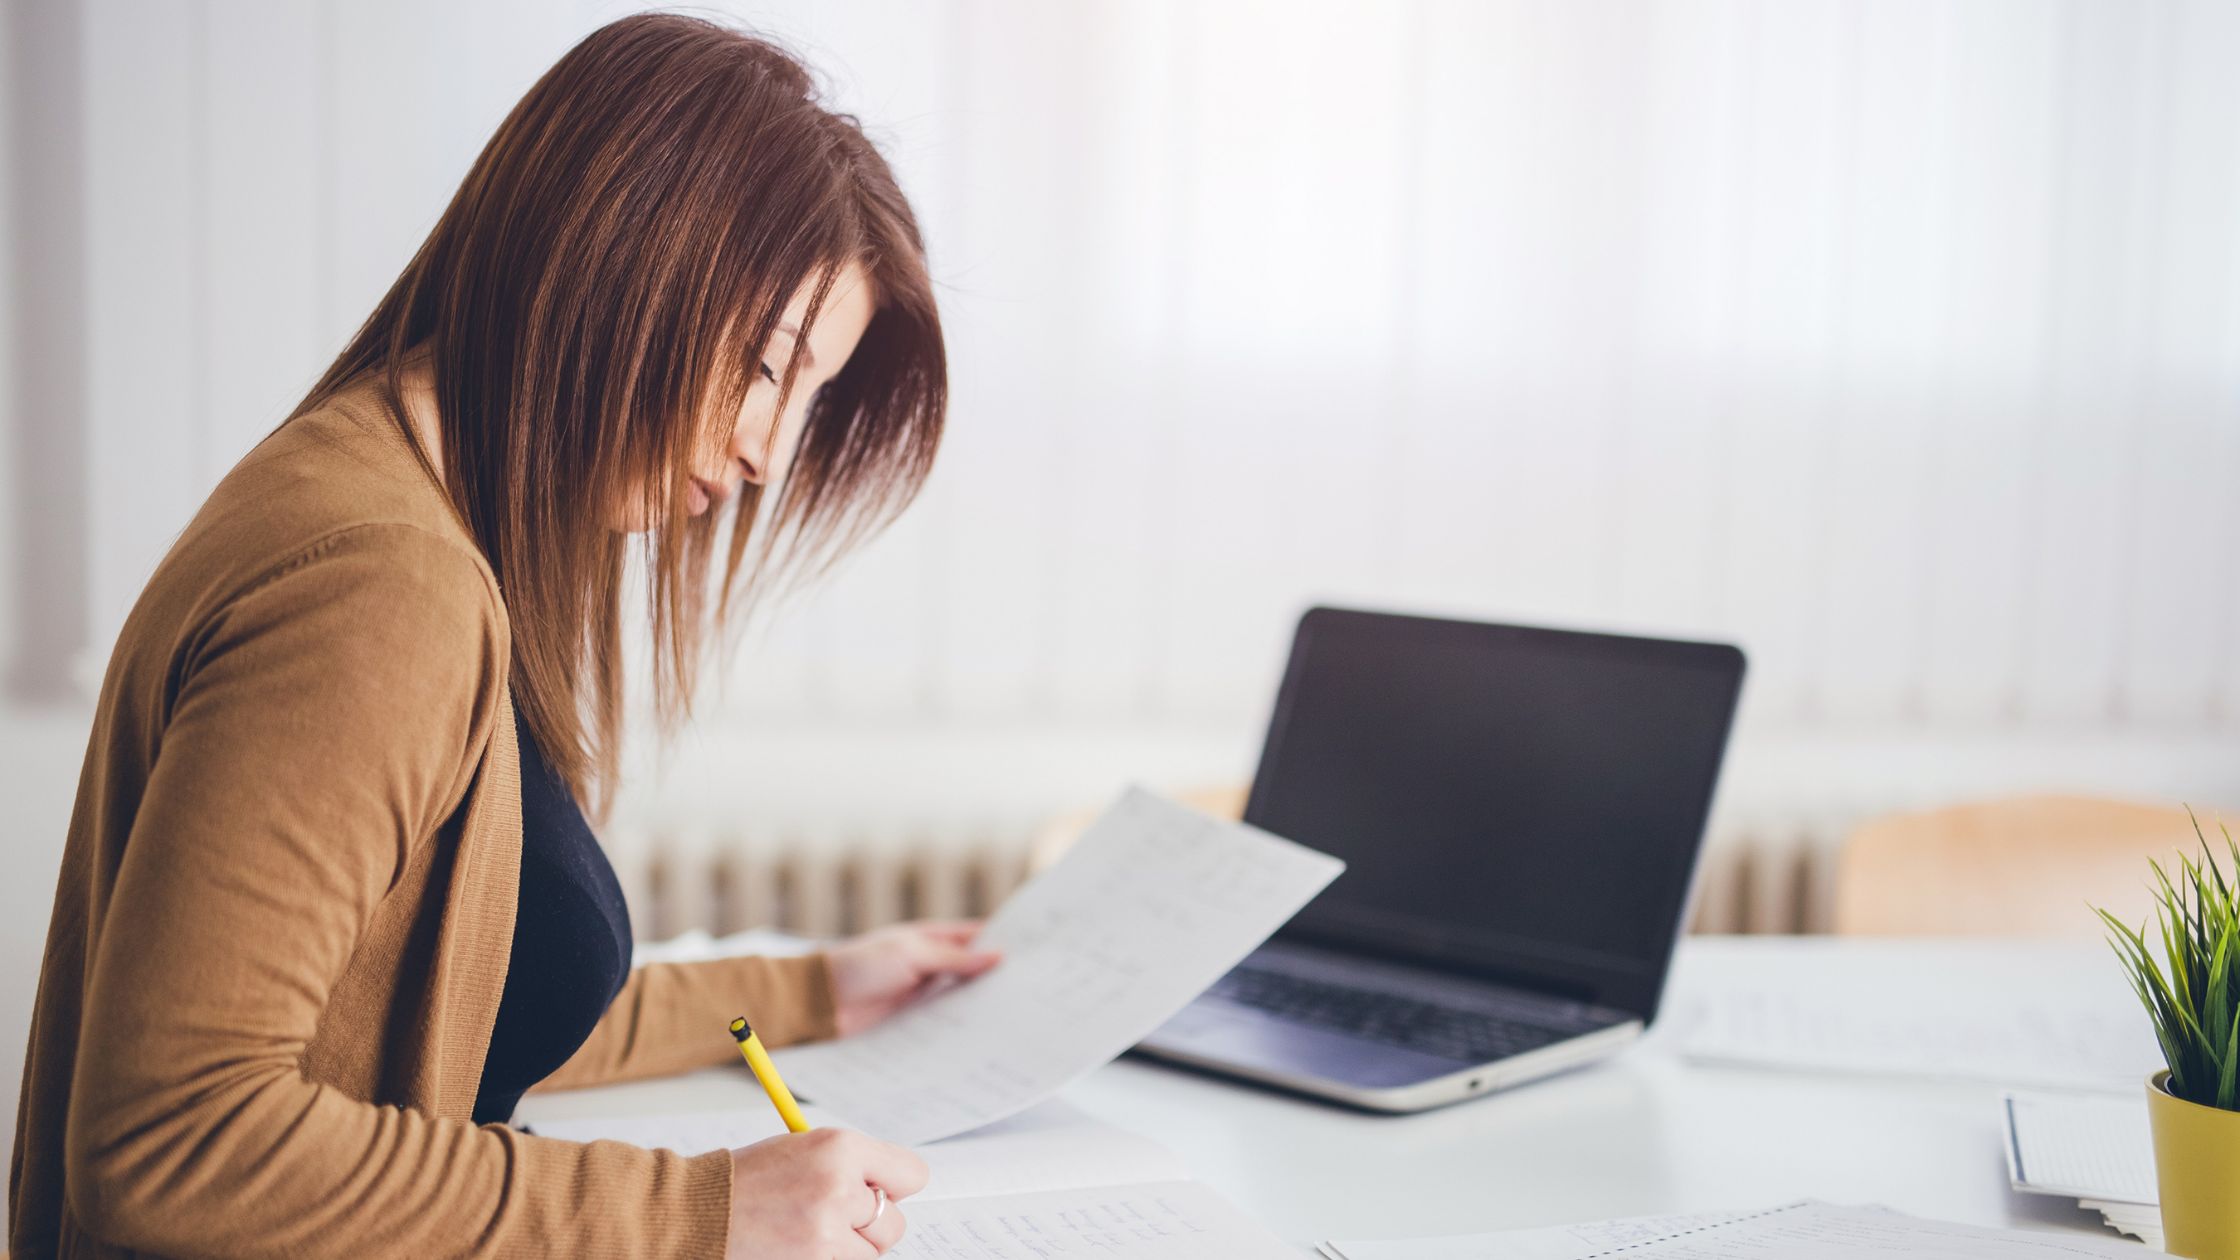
1896,340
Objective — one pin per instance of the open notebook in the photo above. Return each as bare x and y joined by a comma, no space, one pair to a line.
1051,1180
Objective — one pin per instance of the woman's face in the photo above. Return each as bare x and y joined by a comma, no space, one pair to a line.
763,440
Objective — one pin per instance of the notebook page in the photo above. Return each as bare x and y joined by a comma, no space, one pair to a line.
1146,911
1171,1221
2082,1146
1053,1146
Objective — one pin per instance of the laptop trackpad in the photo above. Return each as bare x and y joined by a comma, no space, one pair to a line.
1220,1033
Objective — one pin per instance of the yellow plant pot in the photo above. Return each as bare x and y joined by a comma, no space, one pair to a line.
2197,1164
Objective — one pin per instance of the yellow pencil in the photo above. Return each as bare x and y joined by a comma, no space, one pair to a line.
758,1059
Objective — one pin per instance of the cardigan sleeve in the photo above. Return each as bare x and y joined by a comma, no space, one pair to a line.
318,726
673,1017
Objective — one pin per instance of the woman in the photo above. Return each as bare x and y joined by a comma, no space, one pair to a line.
329,904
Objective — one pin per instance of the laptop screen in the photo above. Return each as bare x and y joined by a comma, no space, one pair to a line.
1513,802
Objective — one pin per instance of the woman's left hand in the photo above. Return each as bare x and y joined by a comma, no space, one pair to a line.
877,973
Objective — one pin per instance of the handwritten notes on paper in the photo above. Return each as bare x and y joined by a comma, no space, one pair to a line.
1149,908
1170,1221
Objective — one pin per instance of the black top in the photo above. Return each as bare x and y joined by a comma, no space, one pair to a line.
571,942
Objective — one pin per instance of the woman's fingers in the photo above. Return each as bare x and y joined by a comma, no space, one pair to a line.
960,960
896,1168
885,1231
809,1196
946,948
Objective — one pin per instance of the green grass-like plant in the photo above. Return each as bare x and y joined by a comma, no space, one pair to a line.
2193,994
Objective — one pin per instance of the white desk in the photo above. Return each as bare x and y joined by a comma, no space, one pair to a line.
1644,1133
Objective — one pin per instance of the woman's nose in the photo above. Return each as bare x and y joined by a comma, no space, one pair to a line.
748,452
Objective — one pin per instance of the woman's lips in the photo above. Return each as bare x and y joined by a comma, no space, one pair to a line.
706,494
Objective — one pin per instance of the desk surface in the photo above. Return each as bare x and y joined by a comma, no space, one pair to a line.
1645,1132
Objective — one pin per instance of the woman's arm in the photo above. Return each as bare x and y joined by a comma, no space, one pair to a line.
315,736
673,1017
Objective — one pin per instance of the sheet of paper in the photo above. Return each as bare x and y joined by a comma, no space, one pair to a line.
696,945
1556,1242
1797,1231
2081,1146
1052,1146
1824,1231
1171,1221
1145,912
687,1133
2035,1013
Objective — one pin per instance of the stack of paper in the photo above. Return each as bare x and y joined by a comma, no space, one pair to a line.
2094,1148
1796,1231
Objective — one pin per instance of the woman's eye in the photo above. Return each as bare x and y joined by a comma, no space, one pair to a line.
769,375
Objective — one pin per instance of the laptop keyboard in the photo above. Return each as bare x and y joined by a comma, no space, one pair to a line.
1470,1036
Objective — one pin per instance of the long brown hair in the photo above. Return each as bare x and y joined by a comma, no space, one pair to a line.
603,282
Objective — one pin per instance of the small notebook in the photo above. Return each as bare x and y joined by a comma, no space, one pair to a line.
1050,1181
2091,1147
1795,1231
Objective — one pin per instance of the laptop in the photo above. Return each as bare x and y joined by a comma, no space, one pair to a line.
1520,811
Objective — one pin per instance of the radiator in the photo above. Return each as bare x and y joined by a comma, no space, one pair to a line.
1768,875
811,880
1758,876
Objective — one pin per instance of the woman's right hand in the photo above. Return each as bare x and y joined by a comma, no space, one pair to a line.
803,1196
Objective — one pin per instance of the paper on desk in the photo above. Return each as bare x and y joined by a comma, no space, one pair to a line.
1826,1231
686,1133
1171,1221
1798,1231
2013,1013
1555,1242
696,945
1051,1146
1146,911
2081,1146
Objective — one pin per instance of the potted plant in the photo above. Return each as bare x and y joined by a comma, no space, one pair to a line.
2192,995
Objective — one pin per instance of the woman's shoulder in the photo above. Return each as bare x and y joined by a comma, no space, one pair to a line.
332,501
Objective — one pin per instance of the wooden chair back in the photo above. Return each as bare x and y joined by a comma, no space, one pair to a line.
2031,866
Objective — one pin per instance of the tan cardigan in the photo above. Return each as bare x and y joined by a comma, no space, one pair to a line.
283,917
